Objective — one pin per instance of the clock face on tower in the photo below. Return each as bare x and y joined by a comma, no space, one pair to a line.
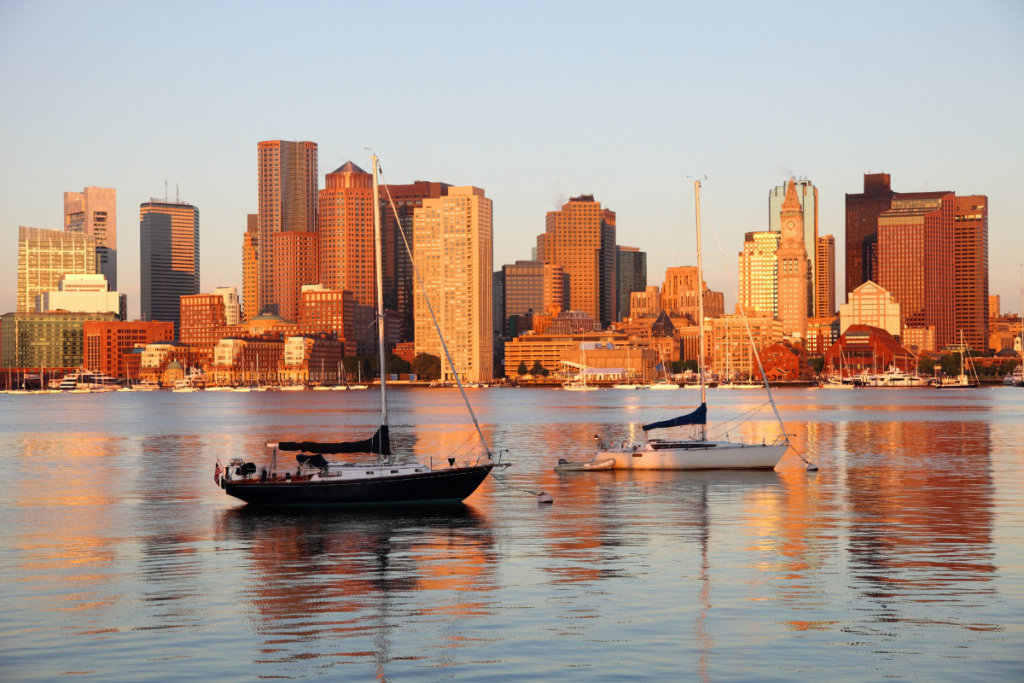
790,224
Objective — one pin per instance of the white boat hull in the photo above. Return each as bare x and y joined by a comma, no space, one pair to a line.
716,455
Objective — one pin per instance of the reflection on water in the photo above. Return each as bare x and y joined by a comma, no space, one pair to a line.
124,561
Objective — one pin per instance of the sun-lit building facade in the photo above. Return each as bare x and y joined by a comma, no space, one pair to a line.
758,276
250,267
169,258
93,212
793,263
970,265
45,257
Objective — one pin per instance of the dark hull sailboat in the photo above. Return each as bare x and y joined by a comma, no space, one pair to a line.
379,477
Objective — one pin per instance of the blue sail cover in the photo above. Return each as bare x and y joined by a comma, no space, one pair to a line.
697,417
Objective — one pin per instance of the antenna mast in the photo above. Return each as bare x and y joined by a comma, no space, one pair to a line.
700,312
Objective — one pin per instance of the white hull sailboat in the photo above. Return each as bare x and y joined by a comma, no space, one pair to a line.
698,452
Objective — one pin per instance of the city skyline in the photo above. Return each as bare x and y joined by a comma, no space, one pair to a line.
634,152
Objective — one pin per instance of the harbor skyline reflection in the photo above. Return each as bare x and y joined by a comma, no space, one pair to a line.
122,555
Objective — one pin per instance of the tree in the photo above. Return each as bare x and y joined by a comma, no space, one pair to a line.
926,365
690,365
538,369
816,364
426,366
950,364
398,366
521,370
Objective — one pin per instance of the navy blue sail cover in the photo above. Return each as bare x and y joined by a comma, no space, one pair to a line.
697,417
378,443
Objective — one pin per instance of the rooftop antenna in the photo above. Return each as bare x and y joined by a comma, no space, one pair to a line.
165,192
177,195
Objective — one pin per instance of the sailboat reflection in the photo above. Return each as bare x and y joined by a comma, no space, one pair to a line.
330,578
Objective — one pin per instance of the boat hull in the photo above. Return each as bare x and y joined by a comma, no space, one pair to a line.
439,486
720,456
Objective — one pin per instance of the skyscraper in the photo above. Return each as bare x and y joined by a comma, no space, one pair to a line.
93,212
250,268
758,272
169,258
581,238
916,263
825,274
46,256
970,265
792,267
498,302
454,254
346,233
630,276
807,195
288,181
399,279
296,263
679,295
862,211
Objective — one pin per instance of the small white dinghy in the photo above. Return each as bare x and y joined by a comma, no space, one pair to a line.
584,466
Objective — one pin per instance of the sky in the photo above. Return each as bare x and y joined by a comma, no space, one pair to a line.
533,102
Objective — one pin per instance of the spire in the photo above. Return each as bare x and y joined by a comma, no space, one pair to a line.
792,202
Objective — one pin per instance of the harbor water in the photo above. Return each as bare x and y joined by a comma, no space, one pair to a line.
902,557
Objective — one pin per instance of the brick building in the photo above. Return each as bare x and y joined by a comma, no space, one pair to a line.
108,344
862,348
201,317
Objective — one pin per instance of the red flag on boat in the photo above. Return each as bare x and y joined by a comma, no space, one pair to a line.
216,473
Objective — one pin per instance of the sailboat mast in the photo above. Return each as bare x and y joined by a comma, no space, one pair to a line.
700,312
379,250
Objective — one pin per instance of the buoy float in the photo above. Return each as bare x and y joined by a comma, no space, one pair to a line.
544,498
811,467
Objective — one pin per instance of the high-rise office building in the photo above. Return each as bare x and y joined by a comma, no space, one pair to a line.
250,268
970,266
45,257
630,276
758,272
993,306
346,234
581,238
454,254
169,258
862,212
296,263
533,287
679,295
807,195
792,267
916,260
825,277
288,182
93,212
399,279
498,302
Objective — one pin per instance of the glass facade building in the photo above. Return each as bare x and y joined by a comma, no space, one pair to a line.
862,211
630,276
169,263
45,340
45,257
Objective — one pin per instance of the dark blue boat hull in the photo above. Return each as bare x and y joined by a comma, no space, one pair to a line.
439,486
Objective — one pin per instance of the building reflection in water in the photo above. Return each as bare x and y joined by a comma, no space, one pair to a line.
322,575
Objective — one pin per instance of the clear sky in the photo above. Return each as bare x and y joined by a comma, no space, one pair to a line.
534,102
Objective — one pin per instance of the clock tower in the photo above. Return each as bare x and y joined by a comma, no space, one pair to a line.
792,264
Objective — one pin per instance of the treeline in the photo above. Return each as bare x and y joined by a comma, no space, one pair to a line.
424,366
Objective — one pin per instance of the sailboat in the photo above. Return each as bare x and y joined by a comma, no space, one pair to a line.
579,384
664,384
963,380
359,377
699,452
377,475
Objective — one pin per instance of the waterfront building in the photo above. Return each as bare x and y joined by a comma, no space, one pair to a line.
871,305
288,178
232,307
630,276
169,258
250,267
758,272
646,303
547,348
329,310
679,295
1004,333
807,196
498,302
109,346
867,349
454,253
93,212
792,268
201,317
729,343
581,238
406,351
862,212
970,267
83,294
399,279
608,362
246,360
45,340
168,361
822,334
312,358
45,257
916,260
785,361
346,234
825,277
918,339
658,333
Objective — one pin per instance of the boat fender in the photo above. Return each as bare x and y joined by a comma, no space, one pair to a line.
544,499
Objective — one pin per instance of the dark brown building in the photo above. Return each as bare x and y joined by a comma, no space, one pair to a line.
970,261
399,280
862,211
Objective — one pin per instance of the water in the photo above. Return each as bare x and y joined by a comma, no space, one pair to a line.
901,558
